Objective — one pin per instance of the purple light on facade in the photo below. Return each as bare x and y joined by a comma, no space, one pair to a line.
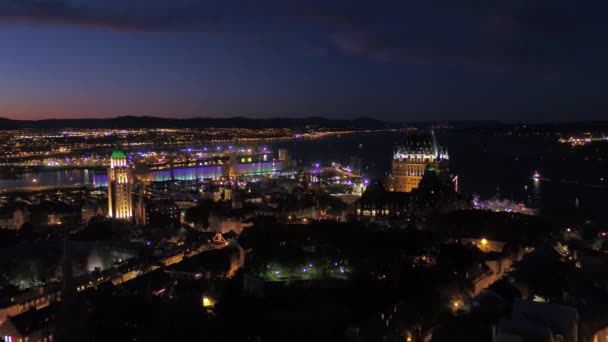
100,180
259,168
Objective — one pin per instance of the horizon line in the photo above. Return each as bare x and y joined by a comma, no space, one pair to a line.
298,118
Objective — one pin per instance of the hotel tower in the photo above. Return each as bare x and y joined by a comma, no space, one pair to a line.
411,159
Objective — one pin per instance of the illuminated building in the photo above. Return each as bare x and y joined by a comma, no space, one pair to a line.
259,168
232,163
161,213
120,177
283,154
285,160
356,165
376,201
411,159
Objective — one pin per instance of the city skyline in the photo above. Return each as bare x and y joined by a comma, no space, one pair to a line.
516,61
303,170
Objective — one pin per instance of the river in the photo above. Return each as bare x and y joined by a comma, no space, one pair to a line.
486,164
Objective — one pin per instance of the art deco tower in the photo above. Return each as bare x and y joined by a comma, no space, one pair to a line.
120,204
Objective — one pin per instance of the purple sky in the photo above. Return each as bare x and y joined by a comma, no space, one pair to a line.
394,60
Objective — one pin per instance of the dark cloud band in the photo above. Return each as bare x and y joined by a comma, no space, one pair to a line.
152,15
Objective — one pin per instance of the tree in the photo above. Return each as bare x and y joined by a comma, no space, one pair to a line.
199,215
333,205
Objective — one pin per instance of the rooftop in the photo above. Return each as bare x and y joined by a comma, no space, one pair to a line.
118,154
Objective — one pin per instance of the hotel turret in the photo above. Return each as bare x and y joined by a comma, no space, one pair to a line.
411,159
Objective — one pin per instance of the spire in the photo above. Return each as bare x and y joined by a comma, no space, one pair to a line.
118,151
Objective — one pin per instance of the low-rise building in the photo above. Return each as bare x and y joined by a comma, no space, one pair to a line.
537,321
33,325
161,212
15,219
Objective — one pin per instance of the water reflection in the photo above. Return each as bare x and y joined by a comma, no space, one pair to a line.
100,178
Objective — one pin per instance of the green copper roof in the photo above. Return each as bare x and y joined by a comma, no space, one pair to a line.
118,154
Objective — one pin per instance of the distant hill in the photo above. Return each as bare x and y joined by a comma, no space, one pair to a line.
551,128
155,122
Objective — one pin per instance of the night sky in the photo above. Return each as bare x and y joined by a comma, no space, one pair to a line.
393,60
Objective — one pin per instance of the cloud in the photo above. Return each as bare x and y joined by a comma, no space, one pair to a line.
131,15
311,50
540,35
530,35
390,47
333,14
